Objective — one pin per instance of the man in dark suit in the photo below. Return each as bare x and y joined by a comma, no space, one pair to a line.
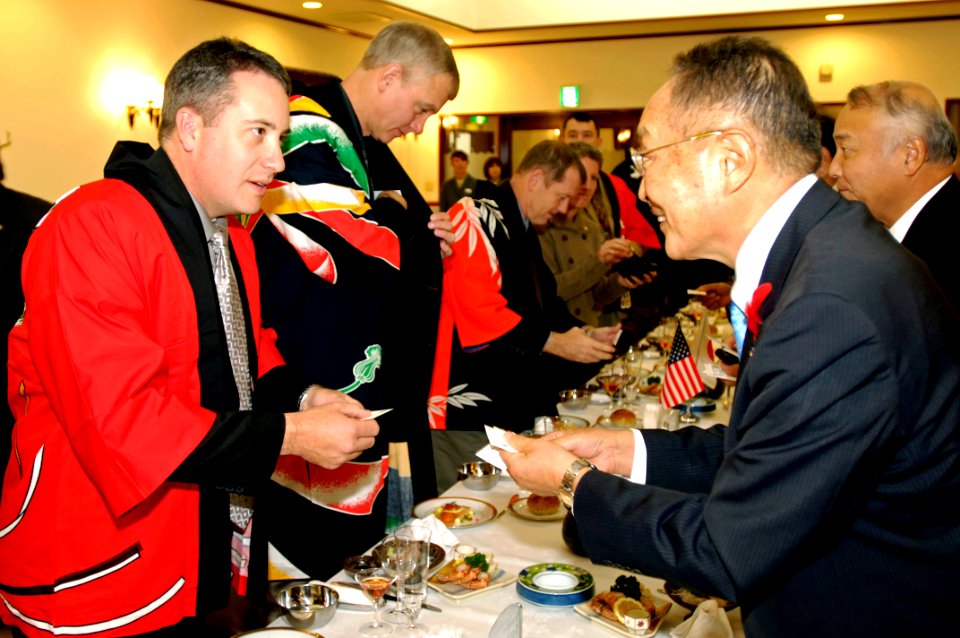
462,184
831,504
895,153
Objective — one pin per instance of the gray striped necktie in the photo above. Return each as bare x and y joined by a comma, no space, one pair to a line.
232,311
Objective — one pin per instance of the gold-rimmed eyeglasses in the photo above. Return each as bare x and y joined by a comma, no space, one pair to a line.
641,156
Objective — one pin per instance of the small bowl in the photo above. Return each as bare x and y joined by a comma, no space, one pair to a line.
576,399
354,564
310,604
478,475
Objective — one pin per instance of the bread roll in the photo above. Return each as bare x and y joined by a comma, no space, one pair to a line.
623,418
543,504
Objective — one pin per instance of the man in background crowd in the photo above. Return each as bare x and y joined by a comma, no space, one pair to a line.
462,184
896,153
151,405
351,268
581,256
831,504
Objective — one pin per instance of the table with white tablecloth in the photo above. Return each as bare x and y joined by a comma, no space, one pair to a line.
517,543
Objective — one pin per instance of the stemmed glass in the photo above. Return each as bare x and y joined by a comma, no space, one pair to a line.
399,554
375,581
613,384
414,590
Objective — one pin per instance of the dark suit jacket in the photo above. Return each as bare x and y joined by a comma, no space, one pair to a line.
450,194
933,235
831,505
512,372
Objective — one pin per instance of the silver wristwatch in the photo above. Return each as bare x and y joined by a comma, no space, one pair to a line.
566,485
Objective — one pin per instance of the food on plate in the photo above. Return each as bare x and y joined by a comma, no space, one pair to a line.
691,599
543,504
623,418
650,386
471,572
453,514
610,604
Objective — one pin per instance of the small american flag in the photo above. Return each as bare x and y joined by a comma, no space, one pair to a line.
683,380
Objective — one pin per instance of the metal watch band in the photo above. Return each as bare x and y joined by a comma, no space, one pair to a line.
566,484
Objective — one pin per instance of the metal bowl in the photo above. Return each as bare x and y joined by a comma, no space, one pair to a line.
576,399
478,475
308,604
354,564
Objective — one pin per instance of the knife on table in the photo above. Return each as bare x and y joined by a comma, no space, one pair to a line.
391,597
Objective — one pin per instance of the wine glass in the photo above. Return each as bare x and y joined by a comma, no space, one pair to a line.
613,383
411,597
415,588
375,581
399,555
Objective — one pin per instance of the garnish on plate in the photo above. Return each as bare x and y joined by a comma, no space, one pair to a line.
608,603
453,514
471,572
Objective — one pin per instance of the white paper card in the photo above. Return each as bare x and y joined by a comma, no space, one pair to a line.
375,414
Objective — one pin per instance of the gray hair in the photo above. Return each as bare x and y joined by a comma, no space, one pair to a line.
202,79
904,101
750,78
582,149
415,47
555,158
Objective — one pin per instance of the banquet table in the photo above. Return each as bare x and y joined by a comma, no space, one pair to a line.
517,543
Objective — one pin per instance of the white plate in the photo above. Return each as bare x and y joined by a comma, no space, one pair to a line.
278,632
519,507
483,512
584,610
456,592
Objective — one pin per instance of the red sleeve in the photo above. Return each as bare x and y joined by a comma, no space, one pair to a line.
634,226
112,336
268,356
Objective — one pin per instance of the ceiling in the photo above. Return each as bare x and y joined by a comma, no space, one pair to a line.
473,23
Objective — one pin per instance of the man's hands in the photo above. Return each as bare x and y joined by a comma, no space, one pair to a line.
331,434
718,295
318,396
614,250
539,464
576,345
442,227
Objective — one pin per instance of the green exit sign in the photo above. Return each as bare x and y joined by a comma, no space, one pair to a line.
569,96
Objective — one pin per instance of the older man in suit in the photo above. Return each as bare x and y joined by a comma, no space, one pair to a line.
895,153
831,504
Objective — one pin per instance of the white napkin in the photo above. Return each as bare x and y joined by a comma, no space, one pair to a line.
350,595
707,621
439,533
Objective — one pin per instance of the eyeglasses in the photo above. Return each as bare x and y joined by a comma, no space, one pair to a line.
640,156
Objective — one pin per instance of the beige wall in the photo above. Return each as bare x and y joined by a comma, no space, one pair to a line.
57,56
624,73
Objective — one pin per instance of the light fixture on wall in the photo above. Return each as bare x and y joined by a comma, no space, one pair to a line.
826,72
152,112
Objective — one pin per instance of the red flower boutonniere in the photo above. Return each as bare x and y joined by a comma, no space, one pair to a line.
753,308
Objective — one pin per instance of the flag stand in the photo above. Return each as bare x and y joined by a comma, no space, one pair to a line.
688,417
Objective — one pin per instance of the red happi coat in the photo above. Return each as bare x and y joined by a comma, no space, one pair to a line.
104,384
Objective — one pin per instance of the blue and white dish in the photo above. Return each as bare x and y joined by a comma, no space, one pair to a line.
555,585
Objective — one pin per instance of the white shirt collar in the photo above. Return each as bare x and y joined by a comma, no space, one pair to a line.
753,254
902,226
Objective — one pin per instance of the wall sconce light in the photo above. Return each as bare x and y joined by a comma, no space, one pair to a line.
826,72
152,112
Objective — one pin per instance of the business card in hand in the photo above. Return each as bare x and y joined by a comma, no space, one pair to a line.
375,414
489,452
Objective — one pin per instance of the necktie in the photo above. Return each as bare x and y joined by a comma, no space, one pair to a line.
739,322
231,310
